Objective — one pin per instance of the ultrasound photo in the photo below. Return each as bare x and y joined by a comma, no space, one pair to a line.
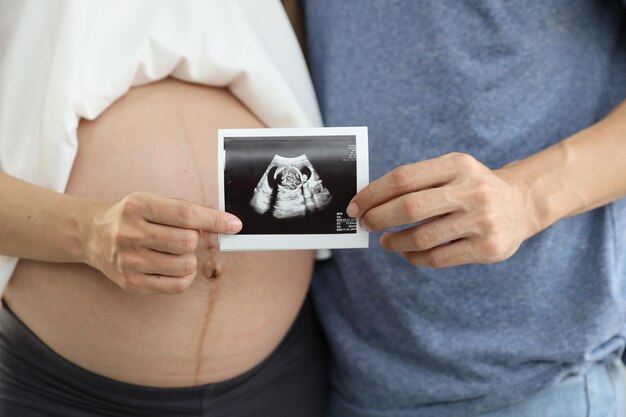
287,184
290,187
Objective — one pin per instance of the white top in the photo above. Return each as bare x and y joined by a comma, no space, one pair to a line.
62,60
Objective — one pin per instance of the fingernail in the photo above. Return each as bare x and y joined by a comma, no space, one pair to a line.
353,209
234,226
364,226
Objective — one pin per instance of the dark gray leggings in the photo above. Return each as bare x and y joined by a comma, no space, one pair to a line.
36,382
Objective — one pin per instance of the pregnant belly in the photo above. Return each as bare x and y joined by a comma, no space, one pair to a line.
161,138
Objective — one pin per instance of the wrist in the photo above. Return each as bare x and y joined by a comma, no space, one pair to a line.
548,183
533,215
87,231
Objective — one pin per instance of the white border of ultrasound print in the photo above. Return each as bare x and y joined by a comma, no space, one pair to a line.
360,239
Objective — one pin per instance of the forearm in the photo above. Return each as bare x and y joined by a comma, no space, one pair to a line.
584,171
41,224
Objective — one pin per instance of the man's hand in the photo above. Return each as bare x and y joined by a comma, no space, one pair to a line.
466,212
146,243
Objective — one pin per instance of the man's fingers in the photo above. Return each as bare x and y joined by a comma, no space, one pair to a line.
188,215
456,253
427,235
410,208
403,180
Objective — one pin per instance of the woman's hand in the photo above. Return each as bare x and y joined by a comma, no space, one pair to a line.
146,243
466,213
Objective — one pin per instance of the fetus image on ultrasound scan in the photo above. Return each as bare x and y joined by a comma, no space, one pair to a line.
290,187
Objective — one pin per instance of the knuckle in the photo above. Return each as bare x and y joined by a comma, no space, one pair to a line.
484,193
411,207
422,239
123,238
492,249
488,223
371,221
463,159
179,286
368,195
188,214
131,204
190,265
127,204
401,177
437,260
132,283
216,221
189,241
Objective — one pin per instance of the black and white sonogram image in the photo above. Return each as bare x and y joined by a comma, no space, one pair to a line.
291,185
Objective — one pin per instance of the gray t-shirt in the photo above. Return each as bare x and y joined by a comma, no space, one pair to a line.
500,81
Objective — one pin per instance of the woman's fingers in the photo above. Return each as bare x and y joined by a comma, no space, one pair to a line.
157,284
164,264
170,239
146,243
182,214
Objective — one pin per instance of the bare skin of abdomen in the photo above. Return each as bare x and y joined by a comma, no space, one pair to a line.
161,138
